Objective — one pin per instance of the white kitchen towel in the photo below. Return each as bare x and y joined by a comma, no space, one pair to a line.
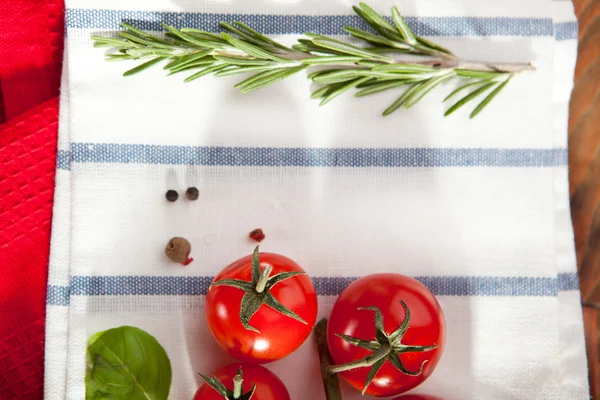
59,272
475,209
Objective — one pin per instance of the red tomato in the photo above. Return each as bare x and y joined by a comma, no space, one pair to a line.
417,397
268,385
269,334
426,328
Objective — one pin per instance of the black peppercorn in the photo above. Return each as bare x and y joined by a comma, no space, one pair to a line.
172,195
192,193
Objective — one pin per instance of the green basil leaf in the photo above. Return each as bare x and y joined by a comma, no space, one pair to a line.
126,363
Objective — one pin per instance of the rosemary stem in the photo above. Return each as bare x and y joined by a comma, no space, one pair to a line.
441,61
438,63
495,66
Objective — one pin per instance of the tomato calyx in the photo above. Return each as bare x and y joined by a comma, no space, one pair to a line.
385,347
258,291
238,390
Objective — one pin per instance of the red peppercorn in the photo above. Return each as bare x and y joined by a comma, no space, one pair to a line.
257,235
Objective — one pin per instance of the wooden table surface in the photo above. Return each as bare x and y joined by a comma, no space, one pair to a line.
584,175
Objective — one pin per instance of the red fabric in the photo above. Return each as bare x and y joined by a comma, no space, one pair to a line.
31,43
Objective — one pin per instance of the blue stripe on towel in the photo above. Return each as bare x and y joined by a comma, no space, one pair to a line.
325,286
566,31
298,24
63,159
58,295
316,157
568,281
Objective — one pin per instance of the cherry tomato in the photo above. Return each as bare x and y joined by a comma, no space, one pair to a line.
408,344
268,385
261,325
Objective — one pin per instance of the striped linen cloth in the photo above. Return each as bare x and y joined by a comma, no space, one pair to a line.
477,210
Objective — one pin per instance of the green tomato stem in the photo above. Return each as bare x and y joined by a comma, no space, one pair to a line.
330,382
264,278
363,362
237,385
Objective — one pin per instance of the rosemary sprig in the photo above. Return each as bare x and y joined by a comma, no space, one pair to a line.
371,69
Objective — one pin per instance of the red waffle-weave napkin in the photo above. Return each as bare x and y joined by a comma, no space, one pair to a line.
31,43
